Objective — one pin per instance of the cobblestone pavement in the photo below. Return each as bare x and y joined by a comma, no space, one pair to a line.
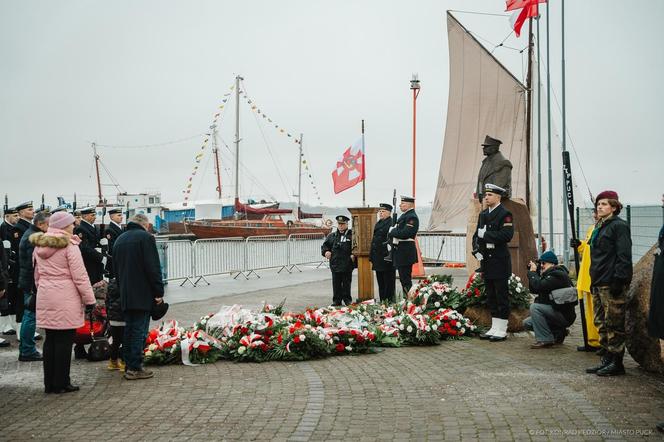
459,390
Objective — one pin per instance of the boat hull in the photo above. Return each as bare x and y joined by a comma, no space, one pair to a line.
221,230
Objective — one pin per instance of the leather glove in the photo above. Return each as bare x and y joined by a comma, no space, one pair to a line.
89,308
481,232
617,286
574,243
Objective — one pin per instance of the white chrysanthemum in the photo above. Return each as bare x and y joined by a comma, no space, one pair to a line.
409,329
241,350
427,328
437,304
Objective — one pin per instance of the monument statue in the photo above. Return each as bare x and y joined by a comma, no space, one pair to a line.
496,169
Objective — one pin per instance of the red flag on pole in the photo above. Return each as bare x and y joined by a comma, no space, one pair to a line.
350,168
529,8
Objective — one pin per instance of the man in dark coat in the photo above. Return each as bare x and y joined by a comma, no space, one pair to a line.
26,286
337,248
92,258
139,280
402,236
4,278
112,231
26,213
494,231
384,270
610,277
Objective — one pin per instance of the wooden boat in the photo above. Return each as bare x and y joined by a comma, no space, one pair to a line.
269,225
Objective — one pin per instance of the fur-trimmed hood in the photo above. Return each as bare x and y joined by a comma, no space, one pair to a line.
46,244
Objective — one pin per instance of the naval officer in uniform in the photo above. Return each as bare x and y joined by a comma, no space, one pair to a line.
379,254
494,231
337,248
402,235
92,258
111,233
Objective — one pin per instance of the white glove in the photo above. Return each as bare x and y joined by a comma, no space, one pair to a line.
389,248
392,228
481,232
103,261
479,256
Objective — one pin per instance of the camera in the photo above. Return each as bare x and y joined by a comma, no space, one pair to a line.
537,262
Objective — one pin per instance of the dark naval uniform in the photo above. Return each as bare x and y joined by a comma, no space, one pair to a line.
341,264
21,227
91,257
496,264
384,269
405,251
111,233
9,233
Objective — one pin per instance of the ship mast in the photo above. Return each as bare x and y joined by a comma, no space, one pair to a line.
237,141
216,159
299,180
94,150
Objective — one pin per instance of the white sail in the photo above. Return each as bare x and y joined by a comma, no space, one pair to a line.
484,99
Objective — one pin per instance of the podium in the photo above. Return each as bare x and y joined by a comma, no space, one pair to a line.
364,219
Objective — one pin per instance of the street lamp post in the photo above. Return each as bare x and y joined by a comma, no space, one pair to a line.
415,87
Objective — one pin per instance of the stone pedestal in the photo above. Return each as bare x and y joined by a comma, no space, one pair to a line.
523,247
364,219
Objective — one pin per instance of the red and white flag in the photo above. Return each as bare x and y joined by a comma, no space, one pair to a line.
523,9
350,168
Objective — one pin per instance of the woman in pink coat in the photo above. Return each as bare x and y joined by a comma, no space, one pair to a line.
63,292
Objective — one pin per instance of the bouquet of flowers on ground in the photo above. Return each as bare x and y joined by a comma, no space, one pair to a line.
474,293
450,323
197,347
434,293
162,345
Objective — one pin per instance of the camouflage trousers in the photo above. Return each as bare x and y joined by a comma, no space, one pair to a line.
609,318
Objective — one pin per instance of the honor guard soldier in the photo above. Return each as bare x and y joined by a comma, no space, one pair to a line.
111,233
381,262
402,236
92,258
9,233
337,248
494,231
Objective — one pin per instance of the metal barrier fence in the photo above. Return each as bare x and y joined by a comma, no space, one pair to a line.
177,260
439,247
265,252
218,256
304,248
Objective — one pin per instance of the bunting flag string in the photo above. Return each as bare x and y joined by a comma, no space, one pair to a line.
201,153
281,130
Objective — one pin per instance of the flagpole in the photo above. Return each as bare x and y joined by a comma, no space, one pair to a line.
529,109
565,233
415,87
548,123
364,175
539,140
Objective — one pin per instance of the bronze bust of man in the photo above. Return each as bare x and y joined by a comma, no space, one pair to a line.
496,169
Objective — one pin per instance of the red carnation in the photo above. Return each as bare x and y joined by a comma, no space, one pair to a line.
452,332
264,346
477,291
359,339
279,339
453,323
340,347
244,330
296,339
341,332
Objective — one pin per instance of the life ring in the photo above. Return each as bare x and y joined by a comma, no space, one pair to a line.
328,223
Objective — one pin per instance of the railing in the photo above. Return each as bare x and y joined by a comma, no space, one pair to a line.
441,247
177,260
218,256
266,252
304,248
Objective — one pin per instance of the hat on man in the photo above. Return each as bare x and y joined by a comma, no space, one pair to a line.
158,311
25,205
11,211
489,141
608,195
488,187
549,257
115,210
59,209
60,220
407,199
88,210
386,206
342,219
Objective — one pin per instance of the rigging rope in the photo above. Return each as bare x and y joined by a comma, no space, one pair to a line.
142,146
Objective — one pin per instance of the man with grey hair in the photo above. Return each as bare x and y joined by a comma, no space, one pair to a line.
138,274
26,284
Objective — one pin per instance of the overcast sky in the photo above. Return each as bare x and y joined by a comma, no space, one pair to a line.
128,73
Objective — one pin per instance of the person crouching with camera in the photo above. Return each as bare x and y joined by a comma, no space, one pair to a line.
553,309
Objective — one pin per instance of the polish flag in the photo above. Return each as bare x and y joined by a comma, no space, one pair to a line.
350,168
523,9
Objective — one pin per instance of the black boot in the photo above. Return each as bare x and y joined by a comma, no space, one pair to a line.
615,368
605,361
601,352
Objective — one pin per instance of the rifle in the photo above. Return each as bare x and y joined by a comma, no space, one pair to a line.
6,206
569,197
394,222
73,205
43,206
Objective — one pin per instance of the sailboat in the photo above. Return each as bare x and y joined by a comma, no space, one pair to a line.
244,221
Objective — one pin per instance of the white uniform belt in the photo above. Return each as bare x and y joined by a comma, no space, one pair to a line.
397,240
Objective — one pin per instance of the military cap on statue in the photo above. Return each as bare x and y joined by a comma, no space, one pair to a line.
343,219
407,199
386,206
25,205
11,211
87,210
488,187
490,141
114,211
